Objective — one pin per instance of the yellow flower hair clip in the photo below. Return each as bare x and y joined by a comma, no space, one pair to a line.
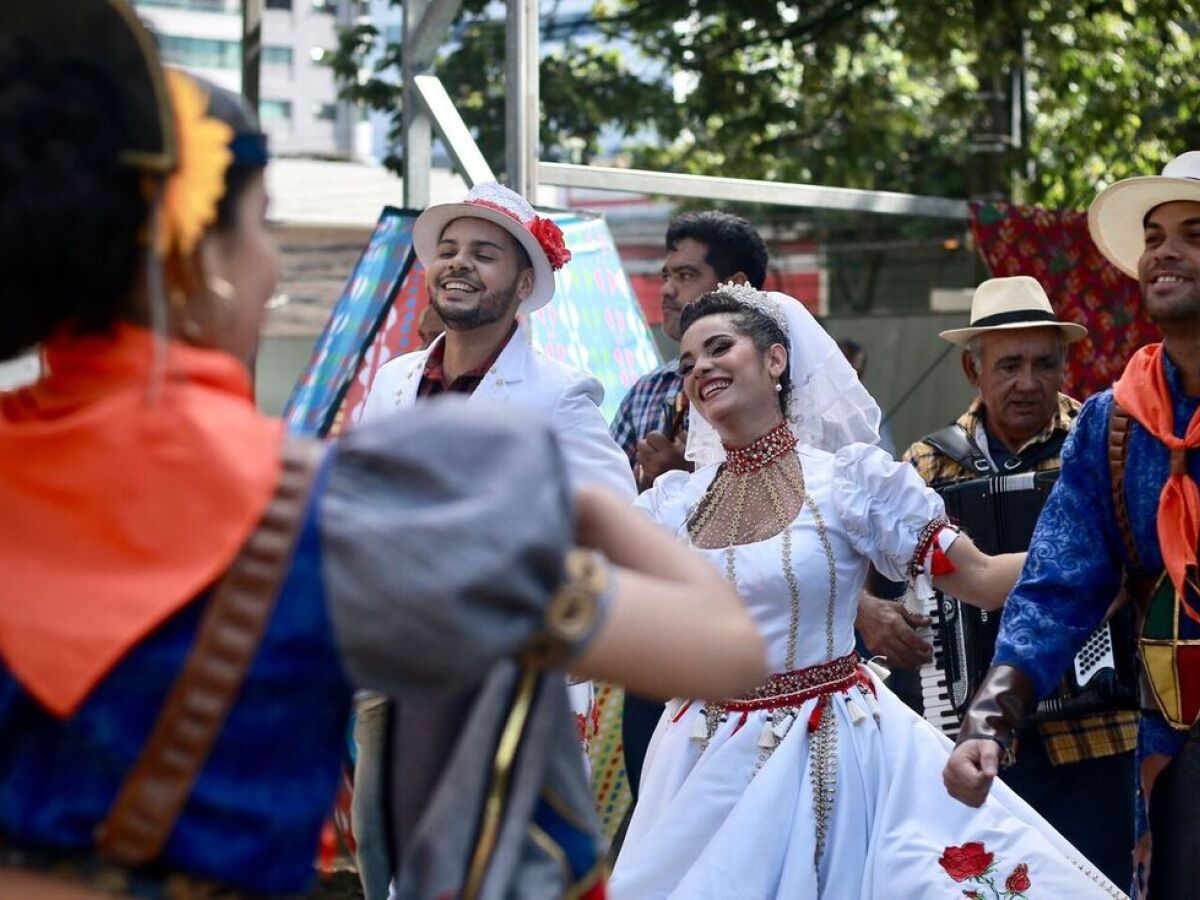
194,189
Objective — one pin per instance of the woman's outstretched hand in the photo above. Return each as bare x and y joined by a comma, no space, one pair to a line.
675,626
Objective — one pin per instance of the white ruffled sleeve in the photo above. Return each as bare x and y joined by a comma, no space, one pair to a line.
889,513
669,501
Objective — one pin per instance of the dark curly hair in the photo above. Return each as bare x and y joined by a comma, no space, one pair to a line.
73,219
762,330
732,243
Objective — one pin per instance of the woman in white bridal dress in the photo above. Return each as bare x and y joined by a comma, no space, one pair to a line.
819,783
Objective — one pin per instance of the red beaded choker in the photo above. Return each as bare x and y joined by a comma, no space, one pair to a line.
762,452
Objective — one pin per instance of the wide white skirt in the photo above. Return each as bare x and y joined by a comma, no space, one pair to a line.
707,825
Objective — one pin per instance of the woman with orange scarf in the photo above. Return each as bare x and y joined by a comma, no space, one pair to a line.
190,597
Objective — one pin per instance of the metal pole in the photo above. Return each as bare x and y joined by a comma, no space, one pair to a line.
252,17
522,104
418,129
425,25
989,177
745,190
453,130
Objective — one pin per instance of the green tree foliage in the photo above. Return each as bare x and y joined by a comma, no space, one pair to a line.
881,95
585,87
884,95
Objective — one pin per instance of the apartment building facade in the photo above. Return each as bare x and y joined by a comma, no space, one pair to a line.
299,107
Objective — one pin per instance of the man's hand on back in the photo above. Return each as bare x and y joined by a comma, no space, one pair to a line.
657,453
888,629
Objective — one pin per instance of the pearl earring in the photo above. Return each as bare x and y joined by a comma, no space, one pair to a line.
778,388
222,289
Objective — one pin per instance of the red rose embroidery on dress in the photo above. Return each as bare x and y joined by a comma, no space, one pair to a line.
1018,881
974,862
965,862
550,236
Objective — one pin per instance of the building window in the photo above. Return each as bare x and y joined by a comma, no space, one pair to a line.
279,4
205,53
200,53
325,6
277,56
275,110
217,6
325,112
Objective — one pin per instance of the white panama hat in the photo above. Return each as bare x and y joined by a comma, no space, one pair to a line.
1005,304
541,238
1116,218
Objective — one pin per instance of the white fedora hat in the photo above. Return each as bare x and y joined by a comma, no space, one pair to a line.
1004,304
1117,216
541,238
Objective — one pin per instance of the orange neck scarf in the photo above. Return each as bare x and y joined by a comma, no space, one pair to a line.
1143,392
125,493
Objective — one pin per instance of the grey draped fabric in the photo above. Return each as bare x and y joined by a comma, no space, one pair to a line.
434,861
444,530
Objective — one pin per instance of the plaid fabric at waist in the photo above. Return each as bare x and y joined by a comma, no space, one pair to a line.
787,689
1089,737
148,883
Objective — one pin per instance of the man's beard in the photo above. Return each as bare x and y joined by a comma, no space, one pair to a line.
492,307
1182,310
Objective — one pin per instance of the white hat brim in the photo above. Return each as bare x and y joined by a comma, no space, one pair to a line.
1071,331
428,228
1116,215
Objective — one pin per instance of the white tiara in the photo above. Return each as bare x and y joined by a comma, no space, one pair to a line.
748,295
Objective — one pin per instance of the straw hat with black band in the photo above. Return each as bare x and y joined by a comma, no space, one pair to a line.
1005,304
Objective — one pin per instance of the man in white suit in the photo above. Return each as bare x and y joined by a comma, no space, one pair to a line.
486,260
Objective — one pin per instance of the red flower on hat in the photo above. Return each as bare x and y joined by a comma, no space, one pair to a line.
550,236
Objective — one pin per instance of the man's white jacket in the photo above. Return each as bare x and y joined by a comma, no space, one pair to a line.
523,377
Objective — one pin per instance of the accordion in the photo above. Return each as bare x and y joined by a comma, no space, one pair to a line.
999,513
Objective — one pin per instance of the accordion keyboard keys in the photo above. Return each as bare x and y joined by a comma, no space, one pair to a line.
937,687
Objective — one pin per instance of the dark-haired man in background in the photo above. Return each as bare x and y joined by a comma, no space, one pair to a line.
704,249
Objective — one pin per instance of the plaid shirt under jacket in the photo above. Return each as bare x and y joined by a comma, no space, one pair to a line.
644,408
1068,740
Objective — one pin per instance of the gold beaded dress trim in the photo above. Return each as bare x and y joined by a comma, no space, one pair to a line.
758,493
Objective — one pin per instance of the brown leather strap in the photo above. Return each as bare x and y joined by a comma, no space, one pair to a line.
17,883
1119,426
156,789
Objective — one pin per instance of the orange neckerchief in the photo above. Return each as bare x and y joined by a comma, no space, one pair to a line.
1143,392
123,500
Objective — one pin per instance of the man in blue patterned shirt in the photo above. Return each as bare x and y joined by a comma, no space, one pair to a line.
704,249
1126,506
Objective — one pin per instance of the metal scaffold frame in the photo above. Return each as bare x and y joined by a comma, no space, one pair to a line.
428,108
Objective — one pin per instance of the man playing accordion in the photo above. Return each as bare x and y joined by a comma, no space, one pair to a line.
1076,771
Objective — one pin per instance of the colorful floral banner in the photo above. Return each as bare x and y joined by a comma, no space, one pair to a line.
1056,249
338,353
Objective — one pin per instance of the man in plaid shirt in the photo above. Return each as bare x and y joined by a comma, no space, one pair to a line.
704,249
1078,773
